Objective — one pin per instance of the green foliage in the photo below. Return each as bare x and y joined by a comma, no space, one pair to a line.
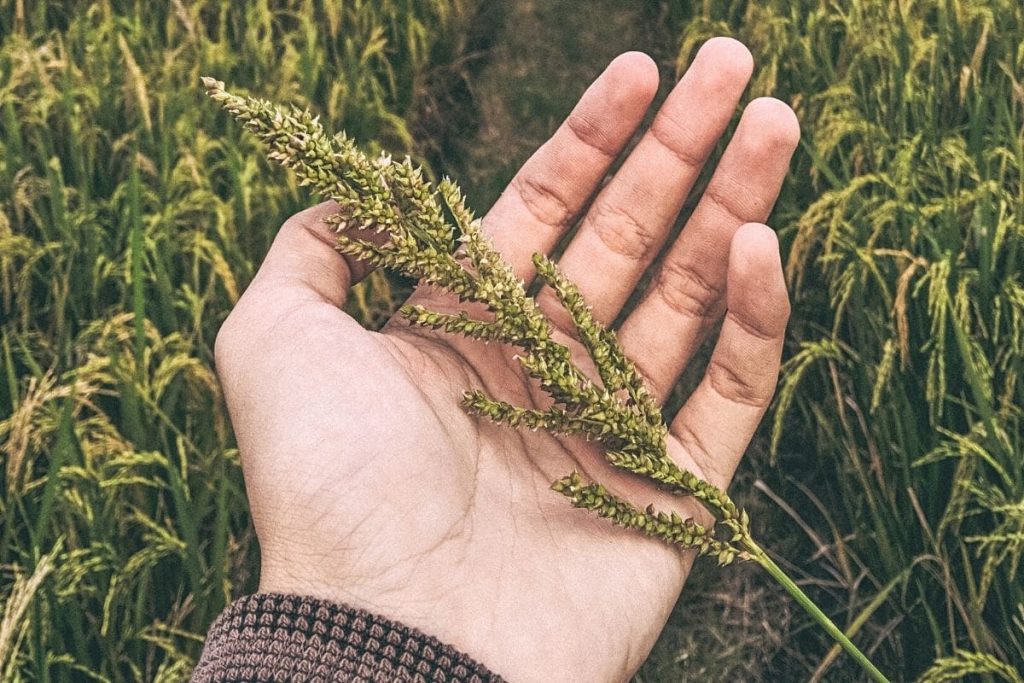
903,232
132,216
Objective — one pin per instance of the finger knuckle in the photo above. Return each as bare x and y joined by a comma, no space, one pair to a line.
739,386
731,204
702,457
622,232
785,308
679,140
310,222
686,292
225,344
589,132
768,327
542,201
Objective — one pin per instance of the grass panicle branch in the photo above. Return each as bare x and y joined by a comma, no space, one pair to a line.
390,196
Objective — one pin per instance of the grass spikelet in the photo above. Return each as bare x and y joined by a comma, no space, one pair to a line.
964,664
13,623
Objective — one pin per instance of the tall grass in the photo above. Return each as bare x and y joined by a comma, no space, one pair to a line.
903,226
132,215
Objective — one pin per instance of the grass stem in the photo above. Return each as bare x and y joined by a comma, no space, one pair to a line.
759,556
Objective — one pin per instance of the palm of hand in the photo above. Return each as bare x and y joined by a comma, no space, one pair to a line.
369,484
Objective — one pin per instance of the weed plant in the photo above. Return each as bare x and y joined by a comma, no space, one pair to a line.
902,394
131,219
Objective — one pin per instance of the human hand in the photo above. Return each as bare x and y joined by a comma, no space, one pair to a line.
370,486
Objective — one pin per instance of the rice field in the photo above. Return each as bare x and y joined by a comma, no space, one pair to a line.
133,214
900,403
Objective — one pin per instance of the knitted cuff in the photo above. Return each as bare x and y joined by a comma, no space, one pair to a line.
272,637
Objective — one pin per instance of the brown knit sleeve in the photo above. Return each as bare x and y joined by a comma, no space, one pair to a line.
272,637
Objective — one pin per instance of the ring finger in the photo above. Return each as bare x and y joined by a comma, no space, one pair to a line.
633,215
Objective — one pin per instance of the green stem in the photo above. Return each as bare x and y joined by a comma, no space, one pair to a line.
761,557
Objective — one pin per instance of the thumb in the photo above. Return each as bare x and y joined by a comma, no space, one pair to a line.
303,264
288,323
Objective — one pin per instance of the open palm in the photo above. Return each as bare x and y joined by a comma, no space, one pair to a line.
370,486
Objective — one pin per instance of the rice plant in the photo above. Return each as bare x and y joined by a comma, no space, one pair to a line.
902,395
132,217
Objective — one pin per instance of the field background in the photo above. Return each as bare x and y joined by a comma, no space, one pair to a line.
889,476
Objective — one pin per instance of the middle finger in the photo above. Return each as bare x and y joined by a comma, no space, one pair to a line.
633,215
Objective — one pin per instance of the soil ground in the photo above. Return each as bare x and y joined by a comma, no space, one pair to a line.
543,57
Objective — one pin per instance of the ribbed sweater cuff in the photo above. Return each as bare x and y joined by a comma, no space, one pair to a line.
273,637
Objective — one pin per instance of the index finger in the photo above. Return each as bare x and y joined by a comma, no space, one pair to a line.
552,188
